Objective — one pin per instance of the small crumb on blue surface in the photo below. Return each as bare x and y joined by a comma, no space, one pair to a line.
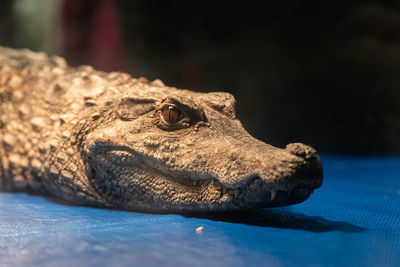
199,229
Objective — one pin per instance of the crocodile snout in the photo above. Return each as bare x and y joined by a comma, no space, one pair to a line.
306,176
312,163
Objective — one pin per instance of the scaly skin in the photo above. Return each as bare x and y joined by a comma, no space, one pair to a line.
101,139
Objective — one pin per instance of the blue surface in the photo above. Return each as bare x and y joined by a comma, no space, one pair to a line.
353,220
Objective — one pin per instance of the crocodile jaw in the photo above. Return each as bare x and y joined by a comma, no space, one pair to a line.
142,186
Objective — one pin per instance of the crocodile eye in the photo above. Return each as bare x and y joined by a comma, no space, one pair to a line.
171,114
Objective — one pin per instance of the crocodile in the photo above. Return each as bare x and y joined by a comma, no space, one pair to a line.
108,140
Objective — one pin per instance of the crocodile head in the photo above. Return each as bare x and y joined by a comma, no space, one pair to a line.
187,152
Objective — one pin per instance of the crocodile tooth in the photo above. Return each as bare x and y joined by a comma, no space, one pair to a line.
224,190
236,193
273,194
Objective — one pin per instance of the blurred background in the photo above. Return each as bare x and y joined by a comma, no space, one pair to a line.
326,73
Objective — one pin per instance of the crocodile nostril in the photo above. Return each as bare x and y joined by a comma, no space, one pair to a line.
302,150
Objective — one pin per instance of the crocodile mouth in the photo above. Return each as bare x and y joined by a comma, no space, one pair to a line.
182,194
261,194
295,195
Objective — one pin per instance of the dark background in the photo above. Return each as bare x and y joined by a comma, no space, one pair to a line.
326,73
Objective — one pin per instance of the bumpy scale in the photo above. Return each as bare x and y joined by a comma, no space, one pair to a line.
109,140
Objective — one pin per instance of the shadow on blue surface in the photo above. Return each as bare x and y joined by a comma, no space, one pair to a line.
274,217
281,218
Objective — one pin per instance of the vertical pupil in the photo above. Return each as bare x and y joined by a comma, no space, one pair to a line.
171,114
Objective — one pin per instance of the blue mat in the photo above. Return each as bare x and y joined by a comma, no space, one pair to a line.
353,220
